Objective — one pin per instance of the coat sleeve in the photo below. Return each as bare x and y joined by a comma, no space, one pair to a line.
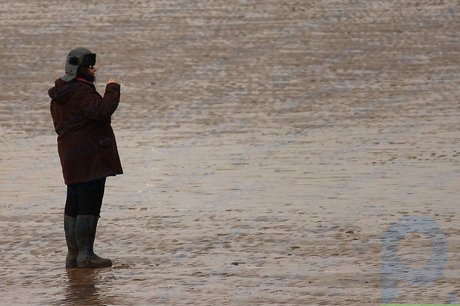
95,107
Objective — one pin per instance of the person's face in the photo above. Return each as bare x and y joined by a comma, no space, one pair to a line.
92,70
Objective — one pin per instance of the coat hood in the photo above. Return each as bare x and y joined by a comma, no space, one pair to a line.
62,91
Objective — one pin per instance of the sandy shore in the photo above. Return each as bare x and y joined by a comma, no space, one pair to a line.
264,158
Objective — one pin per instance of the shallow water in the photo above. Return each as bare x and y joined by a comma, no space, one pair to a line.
232,217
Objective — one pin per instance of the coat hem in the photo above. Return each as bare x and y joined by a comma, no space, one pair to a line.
81,181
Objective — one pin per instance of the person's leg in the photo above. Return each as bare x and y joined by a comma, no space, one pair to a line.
71,204
70,214
90,202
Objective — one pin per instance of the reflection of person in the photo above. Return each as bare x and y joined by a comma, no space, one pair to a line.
83,288
87,150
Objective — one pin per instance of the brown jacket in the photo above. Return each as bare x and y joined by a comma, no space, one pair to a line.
86,142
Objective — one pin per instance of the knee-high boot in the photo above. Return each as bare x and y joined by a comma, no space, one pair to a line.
72,248
85,231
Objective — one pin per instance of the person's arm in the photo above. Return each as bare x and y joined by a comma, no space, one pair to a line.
95,107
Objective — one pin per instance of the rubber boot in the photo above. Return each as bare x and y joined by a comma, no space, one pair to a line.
72,248
85,231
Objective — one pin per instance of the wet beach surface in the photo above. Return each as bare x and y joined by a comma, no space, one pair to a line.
219,204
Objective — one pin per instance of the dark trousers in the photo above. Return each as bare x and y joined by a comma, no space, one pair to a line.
85,198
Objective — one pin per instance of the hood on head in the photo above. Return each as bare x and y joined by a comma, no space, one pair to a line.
62,91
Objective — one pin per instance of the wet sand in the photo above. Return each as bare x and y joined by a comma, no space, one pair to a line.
214,213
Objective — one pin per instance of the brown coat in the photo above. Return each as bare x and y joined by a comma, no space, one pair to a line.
86,142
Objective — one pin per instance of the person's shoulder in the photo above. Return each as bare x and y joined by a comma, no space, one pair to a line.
83,87
63,91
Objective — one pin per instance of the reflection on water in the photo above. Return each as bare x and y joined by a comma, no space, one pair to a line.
82,288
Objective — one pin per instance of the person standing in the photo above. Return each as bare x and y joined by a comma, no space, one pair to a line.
87,151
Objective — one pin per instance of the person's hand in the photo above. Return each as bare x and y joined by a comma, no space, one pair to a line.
112,81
